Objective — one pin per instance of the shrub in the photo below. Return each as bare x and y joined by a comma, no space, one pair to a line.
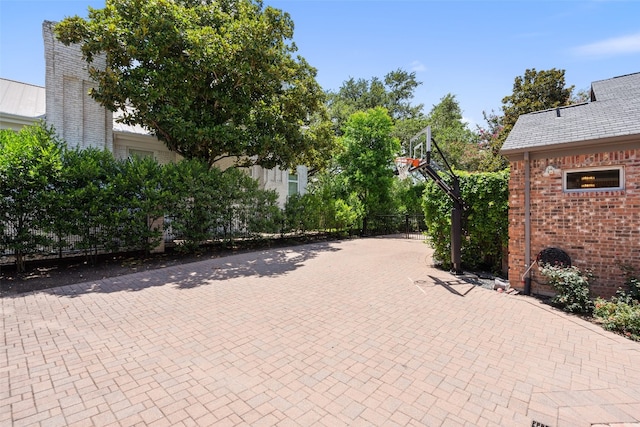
632,283
246,209
407,196
571,286
485,219
302,213
141,197
619,316
348,213
197,205
87,201
30,165
622,313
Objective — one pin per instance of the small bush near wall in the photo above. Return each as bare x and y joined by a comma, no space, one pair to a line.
485,220
88,201
247,208
571,286
207,203
622,313
619,316
302,213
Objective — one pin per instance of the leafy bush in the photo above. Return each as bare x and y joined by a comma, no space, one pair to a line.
349,212
302,213
622,313
245,208
207,203
141,198
632,283
485,219
619,316
30,165
571,286
196,208
87,200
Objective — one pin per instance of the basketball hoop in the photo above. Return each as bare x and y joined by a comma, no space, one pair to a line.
403,164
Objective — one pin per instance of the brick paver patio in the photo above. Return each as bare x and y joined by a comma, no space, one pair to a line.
359,332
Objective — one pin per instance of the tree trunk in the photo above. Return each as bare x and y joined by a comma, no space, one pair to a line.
20,264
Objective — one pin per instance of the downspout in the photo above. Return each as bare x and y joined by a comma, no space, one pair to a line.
527,224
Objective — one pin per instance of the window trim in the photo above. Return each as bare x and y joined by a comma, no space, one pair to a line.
292,181
621,179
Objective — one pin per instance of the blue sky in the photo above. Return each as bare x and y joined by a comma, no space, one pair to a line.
473,49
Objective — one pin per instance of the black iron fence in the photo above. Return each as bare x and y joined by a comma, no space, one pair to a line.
62,246
411,226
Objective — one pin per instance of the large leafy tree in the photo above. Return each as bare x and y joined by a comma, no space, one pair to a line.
394,92
457,142
534,91
490,141
365,163
210,78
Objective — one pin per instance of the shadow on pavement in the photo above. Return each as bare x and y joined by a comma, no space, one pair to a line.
264,263
459,287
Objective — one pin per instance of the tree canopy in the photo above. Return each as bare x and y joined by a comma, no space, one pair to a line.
457,142
209,78
394,93
365,163
534,91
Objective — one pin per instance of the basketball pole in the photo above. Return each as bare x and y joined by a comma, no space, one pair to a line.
453,191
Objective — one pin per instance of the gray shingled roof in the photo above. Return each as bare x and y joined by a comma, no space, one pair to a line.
22,99
614,111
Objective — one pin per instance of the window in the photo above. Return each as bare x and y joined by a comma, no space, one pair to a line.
140,153
293,183
594,179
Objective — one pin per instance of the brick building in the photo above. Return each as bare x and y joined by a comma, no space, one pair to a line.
575,185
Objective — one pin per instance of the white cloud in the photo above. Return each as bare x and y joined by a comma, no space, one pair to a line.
470,122
417,66
611,47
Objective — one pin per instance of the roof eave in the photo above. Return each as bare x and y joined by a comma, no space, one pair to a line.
574,145
18,119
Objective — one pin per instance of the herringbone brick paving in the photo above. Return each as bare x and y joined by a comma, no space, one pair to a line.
358,332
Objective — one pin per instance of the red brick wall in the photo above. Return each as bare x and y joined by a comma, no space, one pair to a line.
598,229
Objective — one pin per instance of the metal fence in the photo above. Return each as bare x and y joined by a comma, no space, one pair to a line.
73,245
411,226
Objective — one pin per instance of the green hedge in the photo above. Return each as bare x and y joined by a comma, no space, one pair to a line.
485,220
54,198
30,168
87,200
